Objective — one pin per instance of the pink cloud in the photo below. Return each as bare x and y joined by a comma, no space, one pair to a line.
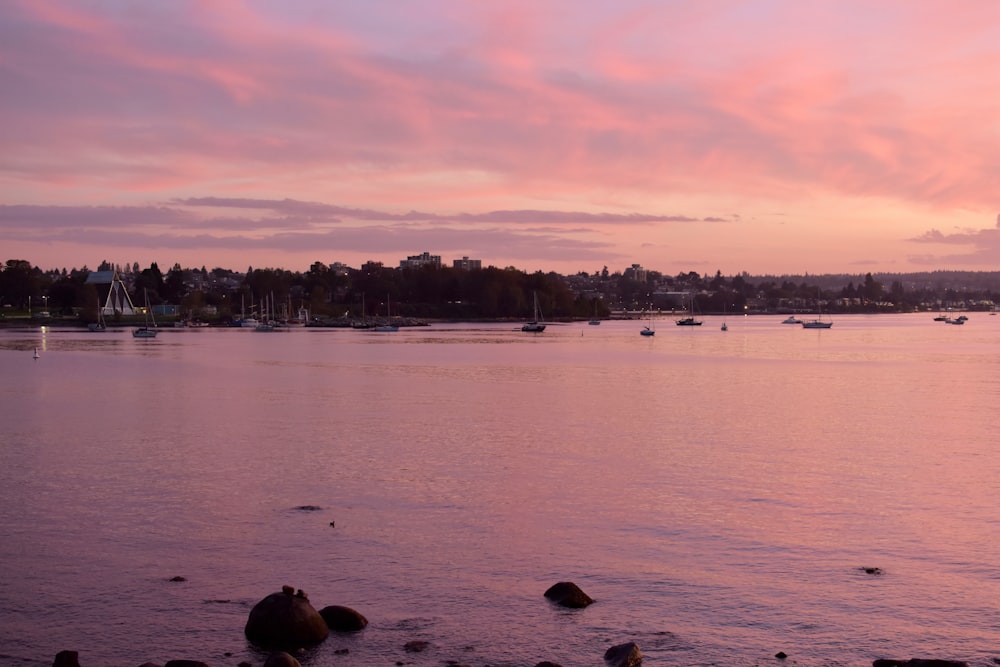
506,111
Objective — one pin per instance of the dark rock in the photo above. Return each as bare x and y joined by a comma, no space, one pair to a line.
308,508
178,578
568,594
624,655
67,659
186,663
150,664
885,662
343,619
546,663
281,659
780,655
872,570
282,620
415,646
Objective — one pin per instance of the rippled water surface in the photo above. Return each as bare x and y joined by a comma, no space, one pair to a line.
718,493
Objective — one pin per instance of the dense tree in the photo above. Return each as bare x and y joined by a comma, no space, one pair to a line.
447,292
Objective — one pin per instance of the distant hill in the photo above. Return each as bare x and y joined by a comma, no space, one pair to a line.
932,280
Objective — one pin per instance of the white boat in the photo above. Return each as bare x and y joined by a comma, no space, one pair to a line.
247,322
791,319
690,320
535,325
388,327
149,329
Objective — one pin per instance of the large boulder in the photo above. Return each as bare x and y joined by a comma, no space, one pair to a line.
918,662
568,594
186,663
623,655
285,620
342,619
67,659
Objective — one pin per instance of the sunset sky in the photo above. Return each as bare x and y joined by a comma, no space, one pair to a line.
762,136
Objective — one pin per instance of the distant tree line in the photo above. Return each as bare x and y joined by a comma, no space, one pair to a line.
488,293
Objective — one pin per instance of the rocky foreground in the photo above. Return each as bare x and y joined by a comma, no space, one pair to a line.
285,622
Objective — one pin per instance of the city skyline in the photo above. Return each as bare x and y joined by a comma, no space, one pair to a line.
765,137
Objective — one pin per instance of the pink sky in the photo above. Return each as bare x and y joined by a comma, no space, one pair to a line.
762,136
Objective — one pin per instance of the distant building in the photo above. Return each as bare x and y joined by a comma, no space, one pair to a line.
466,264
636,272
423,259
339,268
117,299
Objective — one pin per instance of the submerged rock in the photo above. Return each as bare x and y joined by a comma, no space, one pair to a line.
284,620
416,646
343,619
568,594
919,662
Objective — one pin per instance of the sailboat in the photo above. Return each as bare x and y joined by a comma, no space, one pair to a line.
690,320
363,323
535,325
595,321
267,315
819,322
648,330
149,329
100,324
388,326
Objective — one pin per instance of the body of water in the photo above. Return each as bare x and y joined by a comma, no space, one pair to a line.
719,494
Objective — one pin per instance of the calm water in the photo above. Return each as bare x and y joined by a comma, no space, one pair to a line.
718,493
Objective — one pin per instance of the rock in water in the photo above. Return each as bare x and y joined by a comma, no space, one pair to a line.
568,594
623,655
283,620
281,659
66,659
343,619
